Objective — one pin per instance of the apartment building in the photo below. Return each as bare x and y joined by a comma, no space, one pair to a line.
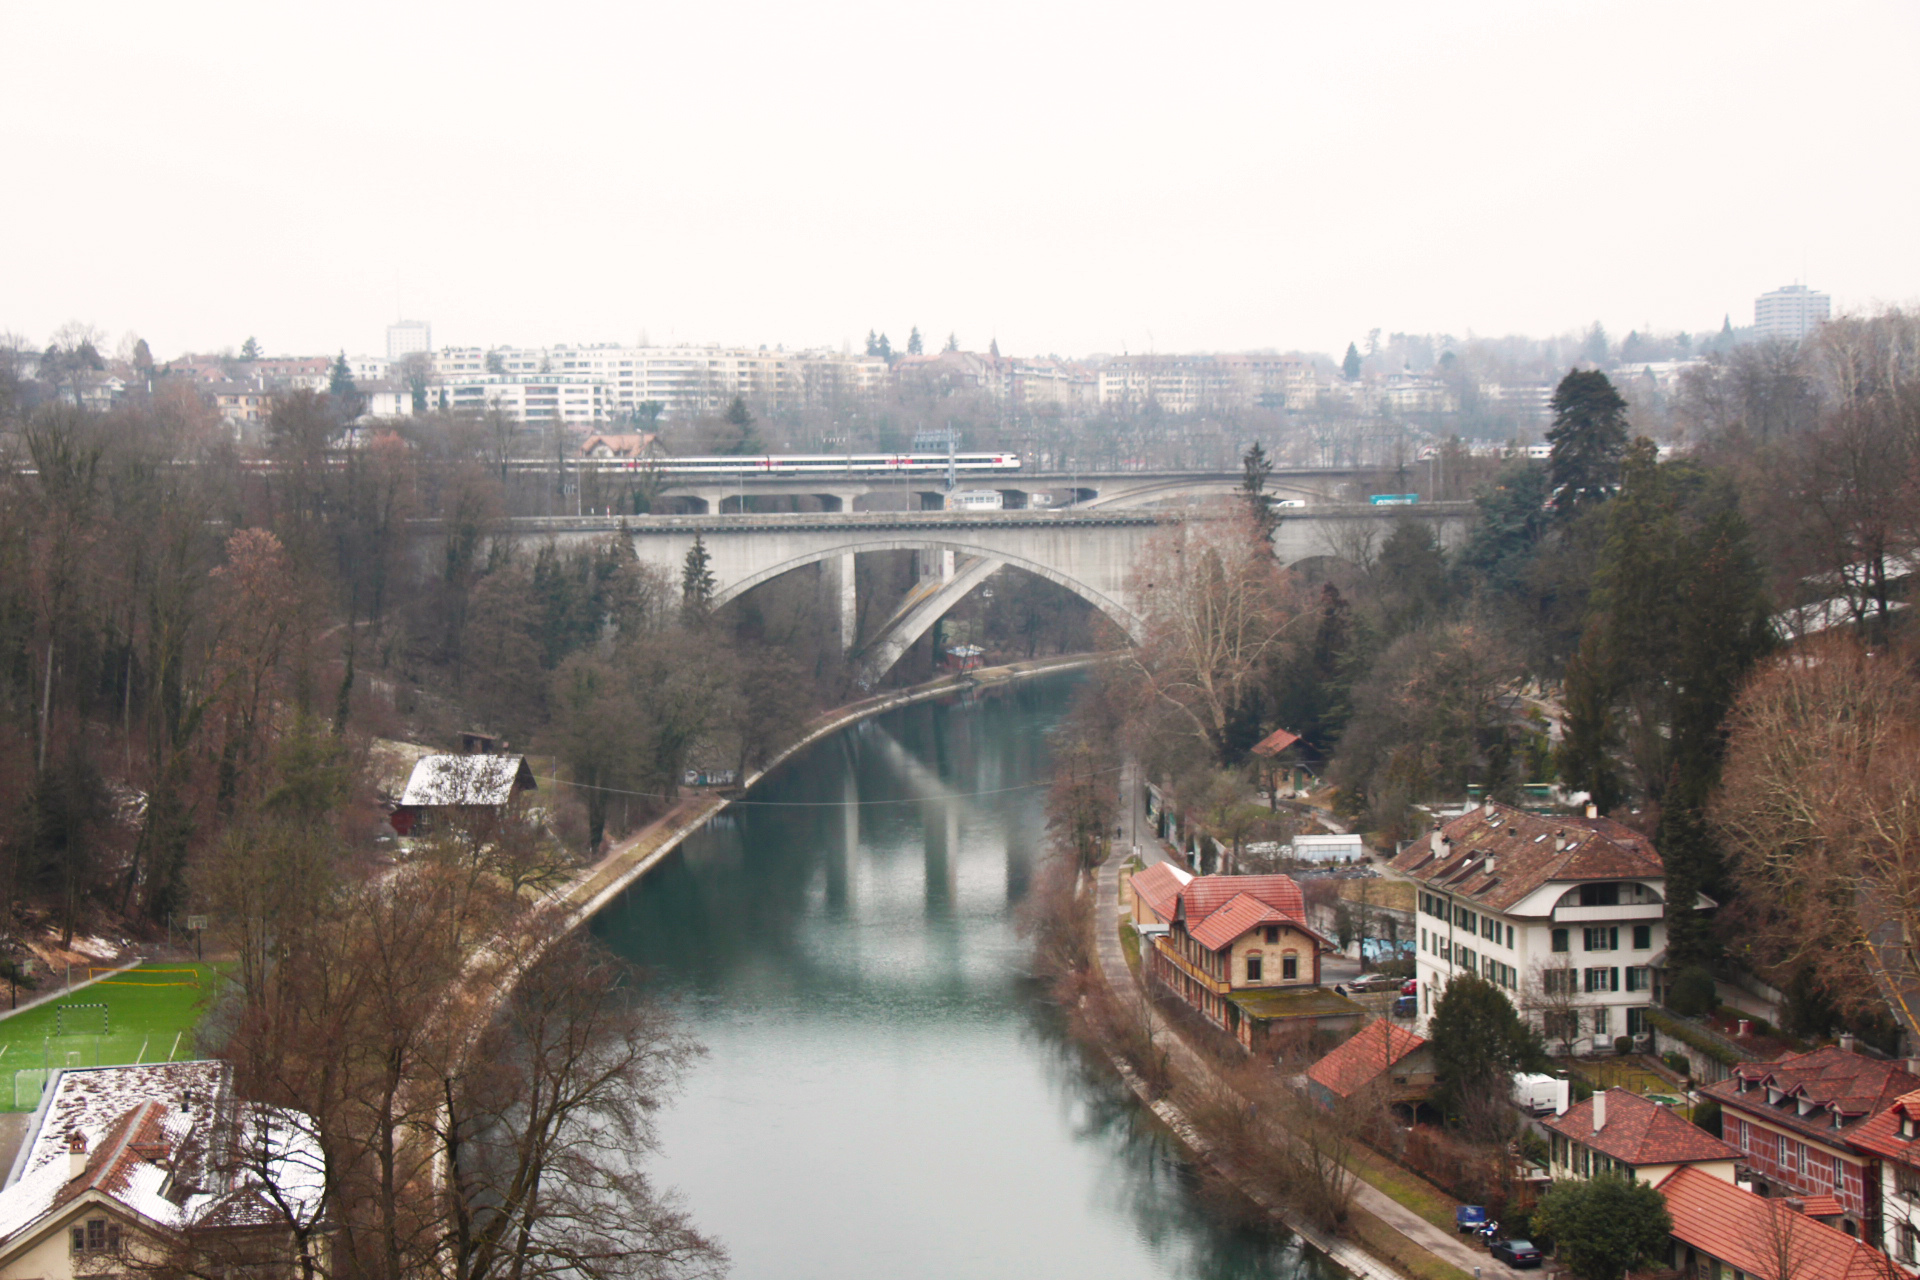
1795,1121
1562,913
1791,313
408,336
1199,383
696,380
534,398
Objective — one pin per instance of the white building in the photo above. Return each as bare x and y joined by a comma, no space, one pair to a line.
1562,913
407,337
1791,313
532,398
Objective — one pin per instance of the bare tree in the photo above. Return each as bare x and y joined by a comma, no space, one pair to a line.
1552,991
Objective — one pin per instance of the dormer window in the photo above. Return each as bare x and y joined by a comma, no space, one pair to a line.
1774,1096
1906,1126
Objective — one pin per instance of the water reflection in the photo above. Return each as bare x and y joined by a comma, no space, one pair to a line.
887,1094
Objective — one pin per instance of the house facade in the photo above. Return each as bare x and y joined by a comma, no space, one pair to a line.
1389,1061
1238,949
1618,1131
1565,914
1893,1138
1794,1122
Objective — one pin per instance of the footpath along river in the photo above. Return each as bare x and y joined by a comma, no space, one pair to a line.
887,1095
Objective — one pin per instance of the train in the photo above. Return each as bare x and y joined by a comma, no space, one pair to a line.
802,464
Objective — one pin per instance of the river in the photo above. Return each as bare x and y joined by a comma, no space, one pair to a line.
887,1095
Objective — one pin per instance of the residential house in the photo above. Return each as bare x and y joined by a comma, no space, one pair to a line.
460,789
1563,913
1893,1137
1723,1233
1381,1058
629,446
1794,1121
122,1165
1618,1131
1239,950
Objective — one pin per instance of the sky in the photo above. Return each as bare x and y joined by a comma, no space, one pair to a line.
1073,178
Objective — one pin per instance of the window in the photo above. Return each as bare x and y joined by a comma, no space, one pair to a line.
1639,978
1560,940
1561,1024
1490,929
1273,933
1601,1025
1597,895
97,1235
1290,965
1423,940
1636,1020
1253,966
1904,1237
1557,982
1602,939
1509,937
1906,1180
1602,979
1642,936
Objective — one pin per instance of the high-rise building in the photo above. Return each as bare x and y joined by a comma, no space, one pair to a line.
407,337
1790,313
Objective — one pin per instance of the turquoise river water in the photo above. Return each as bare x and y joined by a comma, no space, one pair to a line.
887,1095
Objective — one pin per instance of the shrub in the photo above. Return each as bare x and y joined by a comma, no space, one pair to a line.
1677,1062
1623,1045
1707,1116
1692,994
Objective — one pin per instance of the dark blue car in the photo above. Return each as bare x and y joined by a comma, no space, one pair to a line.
1516,1253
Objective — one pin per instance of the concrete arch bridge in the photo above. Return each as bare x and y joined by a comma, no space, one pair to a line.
1088,552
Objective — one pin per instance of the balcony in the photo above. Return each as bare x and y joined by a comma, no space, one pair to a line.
1646,912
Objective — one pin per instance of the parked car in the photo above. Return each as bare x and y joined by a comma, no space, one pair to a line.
1370,982
1516,1253
1411,987
1470,1218
1405,1007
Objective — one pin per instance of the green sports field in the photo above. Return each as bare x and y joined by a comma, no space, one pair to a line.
149,1016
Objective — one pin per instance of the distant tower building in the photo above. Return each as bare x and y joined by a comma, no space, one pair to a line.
1791,313
407,337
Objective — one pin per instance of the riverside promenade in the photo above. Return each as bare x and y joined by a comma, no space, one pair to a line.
1188,1063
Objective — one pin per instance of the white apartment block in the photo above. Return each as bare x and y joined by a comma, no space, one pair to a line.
696,380
408,336
1562,913
535,399
1199,383
1791,313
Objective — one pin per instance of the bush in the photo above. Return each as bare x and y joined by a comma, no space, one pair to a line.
1623,1045
1707,1116
1692,994
1677,1062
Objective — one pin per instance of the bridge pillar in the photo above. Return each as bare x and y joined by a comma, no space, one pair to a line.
837,579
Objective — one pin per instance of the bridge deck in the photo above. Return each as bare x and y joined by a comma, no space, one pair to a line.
789,522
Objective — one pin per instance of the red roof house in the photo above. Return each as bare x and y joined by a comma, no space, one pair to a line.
1715,1222
1236,948
1619,1131
1381,1055
1794,1121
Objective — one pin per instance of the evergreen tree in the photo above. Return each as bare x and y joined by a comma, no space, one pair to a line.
250,350
1589,737
1309,691
1588,439
884,349
913,342
1255,467
953,342
696,583
143,357
1594,349
747,441
1605,1227
1351,365
1479,1042
340,386
1511,524
993,348
873,343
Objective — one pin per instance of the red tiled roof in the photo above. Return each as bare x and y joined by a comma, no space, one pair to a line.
1821,1207
1274,743
1207,894
1367,1054
1242,913
1881,1134
1159,887
1762,1237
1528,850
1639,1132
1853,1085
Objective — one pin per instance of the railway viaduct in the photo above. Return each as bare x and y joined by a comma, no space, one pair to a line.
1089,550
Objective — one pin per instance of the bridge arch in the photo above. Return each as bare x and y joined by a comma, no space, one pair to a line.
1114,609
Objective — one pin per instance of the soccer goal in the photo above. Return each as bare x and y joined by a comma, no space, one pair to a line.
81,1023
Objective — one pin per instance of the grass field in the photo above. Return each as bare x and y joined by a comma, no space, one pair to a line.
149,1017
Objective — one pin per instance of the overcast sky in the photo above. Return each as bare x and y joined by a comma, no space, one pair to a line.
1072,178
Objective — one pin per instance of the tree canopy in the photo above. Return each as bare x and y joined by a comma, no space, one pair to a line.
1588,439
1604,1227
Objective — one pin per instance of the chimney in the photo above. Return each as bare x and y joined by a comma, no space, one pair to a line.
1560,839
76,1154
1593,810
1849,1043
1599,1111
1492,862
1435,840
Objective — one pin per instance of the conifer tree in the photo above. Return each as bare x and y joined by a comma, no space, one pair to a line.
913,342
250,349
697,583
1255,467
1588,439
1351,365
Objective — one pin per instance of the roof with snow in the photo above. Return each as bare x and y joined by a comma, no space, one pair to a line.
166,1144
439,781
